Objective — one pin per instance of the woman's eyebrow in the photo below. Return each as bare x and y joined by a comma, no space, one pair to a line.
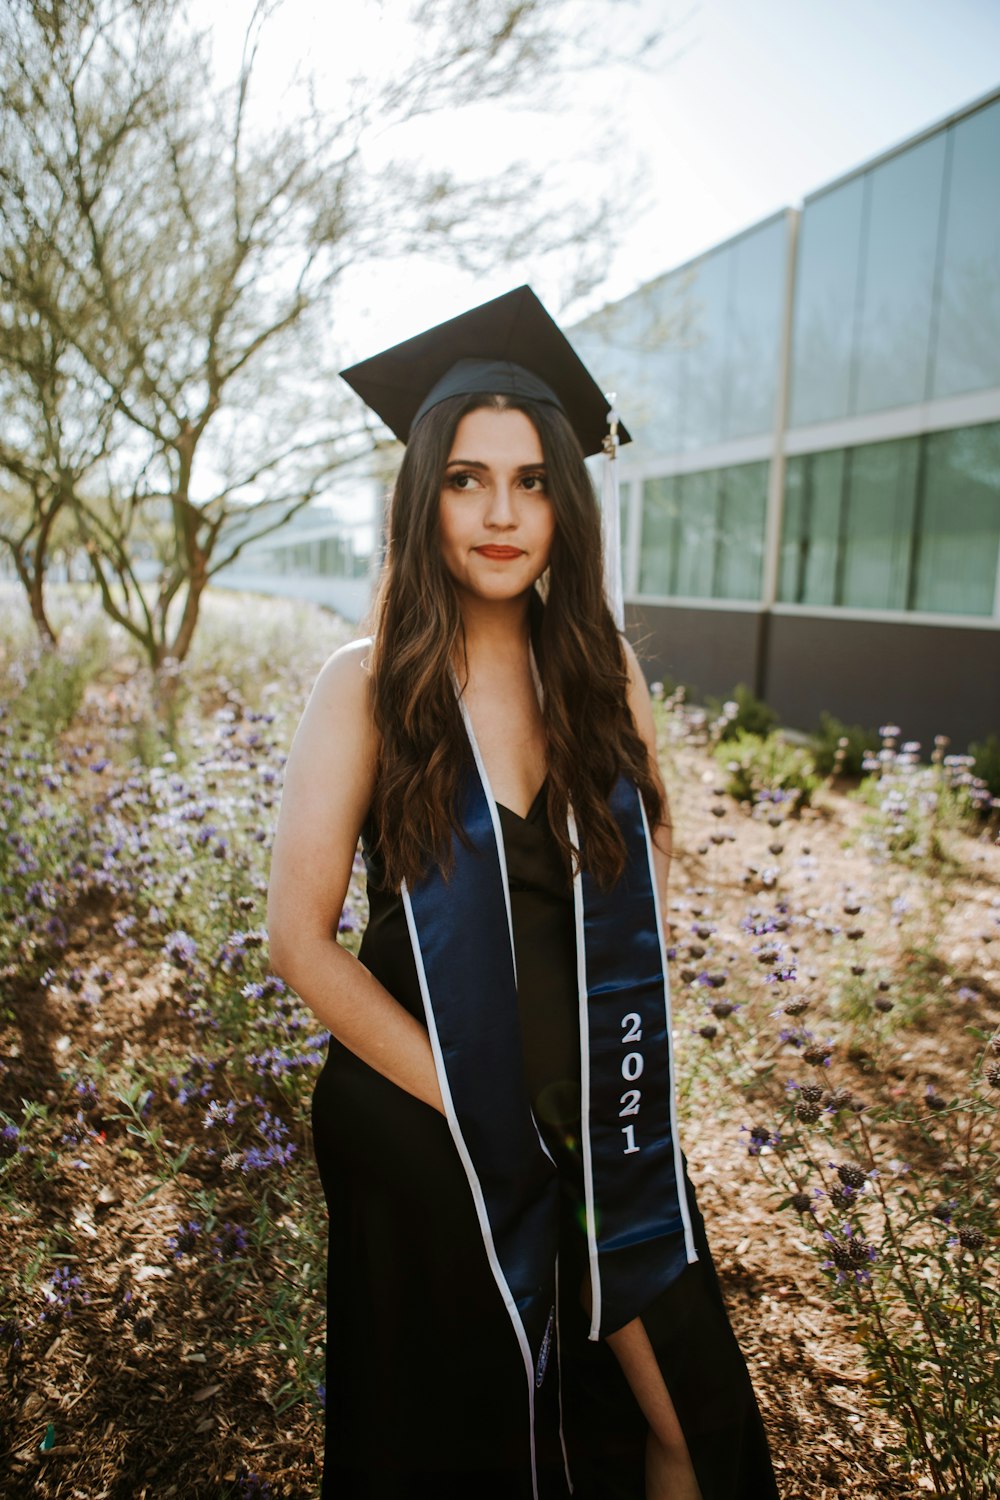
476,463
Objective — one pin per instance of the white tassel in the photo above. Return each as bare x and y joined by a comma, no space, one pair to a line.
610,524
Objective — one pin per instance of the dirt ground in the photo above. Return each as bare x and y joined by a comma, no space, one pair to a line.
176,1413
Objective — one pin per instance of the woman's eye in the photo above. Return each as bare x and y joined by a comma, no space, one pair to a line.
461,481
535,483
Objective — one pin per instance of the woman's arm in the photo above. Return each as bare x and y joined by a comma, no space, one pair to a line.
642,711
328,787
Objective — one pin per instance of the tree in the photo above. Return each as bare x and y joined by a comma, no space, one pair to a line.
170,270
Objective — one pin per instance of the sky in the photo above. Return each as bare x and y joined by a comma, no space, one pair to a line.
746,108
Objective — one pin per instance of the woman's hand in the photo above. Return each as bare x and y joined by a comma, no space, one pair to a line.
329,780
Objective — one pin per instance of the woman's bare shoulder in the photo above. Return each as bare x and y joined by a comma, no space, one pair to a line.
338,719
344,680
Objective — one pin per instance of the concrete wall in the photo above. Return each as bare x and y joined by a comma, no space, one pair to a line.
927,679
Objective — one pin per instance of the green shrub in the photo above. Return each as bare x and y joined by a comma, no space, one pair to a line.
986,762
752,716
826,741
759,766
46,689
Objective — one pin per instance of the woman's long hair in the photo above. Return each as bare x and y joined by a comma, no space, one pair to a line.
423,753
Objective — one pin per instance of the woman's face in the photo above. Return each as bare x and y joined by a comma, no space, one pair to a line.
496,518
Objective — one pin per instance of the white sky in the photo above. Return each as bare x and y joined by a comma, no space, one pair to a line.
752,106
765,102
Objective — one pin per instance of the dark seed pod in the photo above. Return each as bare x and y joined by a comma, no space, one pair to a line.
796,1007
722,1008
816,1055
993,1075
883,1004
851,1175
841,1197
802,1203
971,1238
807,1113
812,1093
708,1032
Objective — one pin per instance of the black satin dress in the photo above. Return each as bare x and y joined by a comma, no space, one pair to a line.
425,1388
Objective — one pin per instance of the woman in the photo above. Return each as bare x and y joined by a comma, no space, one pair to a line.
521,1302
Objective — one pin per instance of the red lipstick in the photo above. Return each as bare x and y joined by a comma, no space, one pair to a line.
499,554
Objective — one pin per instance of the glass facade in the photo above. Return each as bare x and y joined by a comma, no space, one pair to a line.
693,357
956,562
967,347
906,525
703,533
896,304
897,295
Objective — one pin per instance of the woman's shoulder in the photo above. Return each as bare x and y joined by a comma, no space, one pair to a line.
346,672
341,699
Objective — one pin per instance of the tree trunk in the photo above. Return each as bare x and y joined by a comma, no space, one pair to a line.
33,579
36,599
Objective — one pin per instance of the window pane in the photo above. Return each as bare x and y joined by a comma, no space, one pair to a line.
960,535
793,531
825,298
660,515
698,499
634,348
703,374
811,528
879,525
968,340
904,214
742,512
755,332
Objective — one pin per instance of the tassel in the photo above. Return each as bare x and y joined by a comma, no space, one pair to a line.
610,524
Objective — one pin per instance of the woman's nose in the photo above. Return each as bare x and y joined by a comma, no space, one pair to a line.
500,511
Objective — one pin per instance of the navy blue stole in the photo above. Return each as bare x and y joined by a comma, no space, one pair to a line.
638,1224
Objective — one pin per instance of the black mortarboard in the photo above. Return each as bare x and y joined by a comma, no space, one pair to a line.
510,346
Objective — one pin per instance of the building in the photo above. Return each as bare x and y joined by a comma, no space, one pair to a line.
317,555
811,503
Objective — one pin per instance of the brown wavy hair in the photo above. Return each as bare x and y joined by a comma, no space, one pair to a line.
423,750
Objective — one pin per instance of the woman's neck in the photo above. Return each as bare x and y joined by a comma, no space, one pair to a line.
495,633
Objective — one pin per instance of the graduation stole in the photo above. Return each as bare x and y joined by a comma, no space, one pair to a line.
638,1223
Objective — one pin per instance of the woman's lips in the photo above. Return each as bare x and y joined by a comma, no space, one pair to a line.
501,554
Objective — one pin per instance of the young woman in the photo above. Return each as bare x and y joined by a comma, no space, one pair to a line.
521,1300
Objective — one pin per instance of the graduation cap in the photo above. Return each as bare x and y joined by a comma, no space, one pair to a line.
509,346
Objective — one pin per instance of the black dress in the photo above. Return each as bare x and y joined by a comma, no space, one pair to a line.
425,1381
